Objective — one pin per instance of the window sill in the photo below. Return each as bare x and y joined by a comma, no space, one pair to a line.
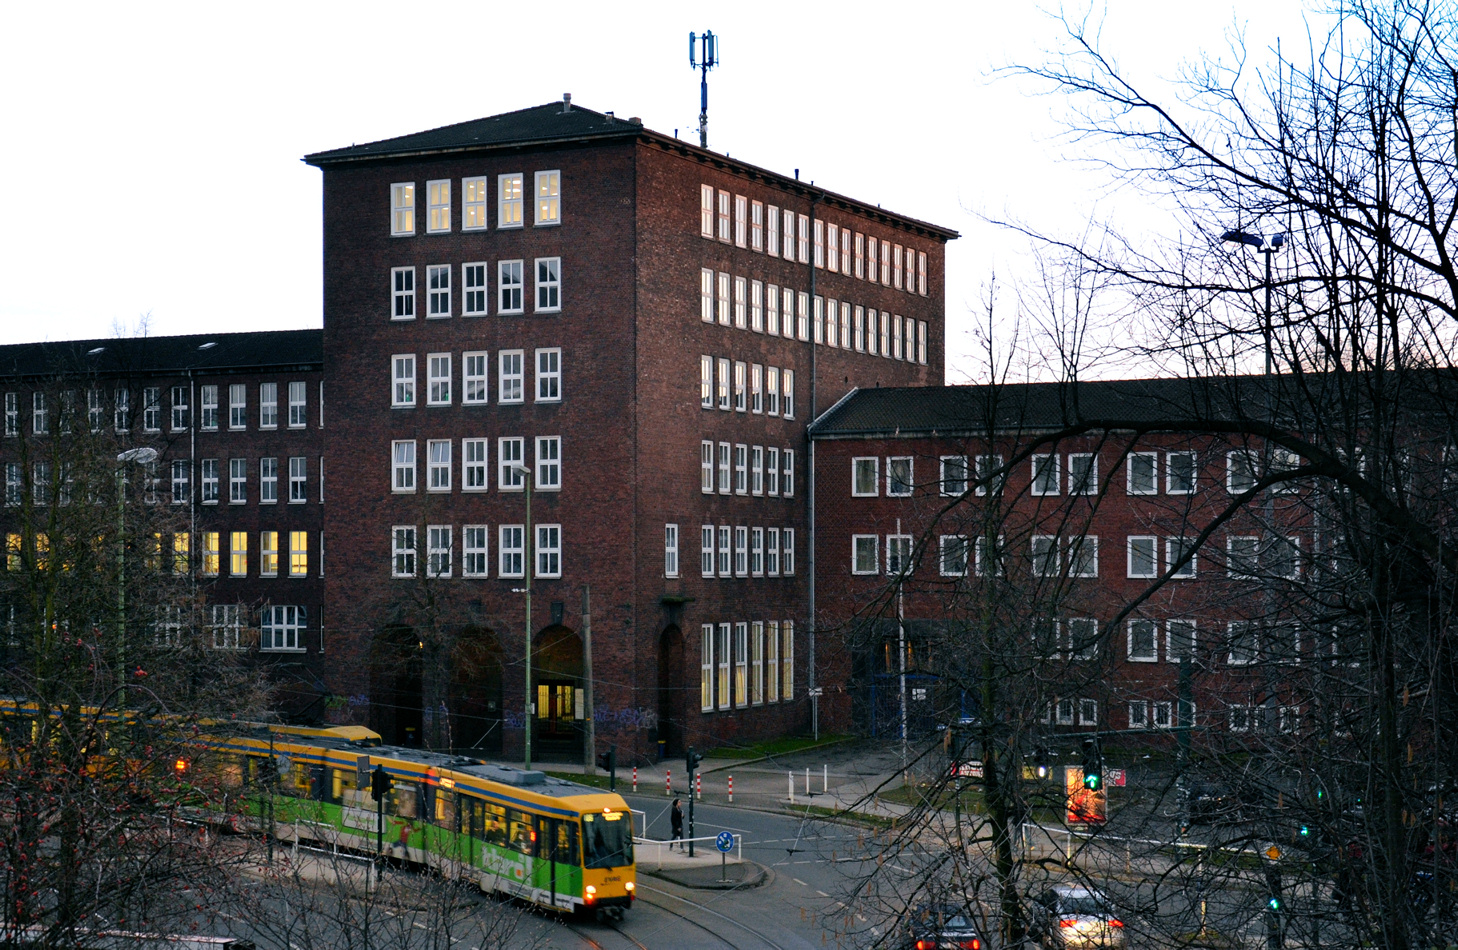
283,649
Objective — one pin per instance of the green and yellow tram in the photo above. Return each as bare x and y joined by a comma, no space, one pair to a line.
549,841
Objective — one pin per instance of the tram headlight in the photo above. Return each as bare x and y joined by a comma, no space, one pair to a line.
630,885
591,893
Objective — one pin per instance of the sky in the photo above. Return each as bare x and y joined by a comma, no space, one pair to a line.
152,158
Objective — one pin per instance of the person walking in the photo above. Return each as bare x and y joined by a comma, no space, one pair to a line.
675,821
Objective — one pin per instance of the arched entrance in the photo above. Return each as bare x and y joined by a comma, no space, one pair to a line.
476,694
671,690
557,729
396,688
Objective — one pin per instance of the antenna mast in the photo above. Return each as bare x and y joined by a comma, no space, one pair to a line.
707,44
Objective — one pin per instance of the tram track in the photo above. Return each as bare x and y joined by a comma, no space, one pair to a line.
760,940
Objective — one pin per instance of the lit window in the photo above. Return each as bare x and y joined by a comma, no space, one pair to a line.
238,554
787,393
549,198
211,556
402,209
438,206
473,204
268,553
509,201
721,661
298,553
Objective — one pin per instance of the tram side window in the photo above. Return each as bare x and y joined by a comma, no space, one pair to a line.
229,767
260,770
520,826
566,843
445,810
492,829
471,815
405,800
344,789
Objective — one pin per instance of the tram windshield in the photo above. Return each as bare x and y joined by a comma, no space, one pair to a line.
607,839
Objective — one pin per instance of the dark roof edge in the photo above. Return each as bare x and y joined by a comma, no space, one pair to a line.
321,159
810,429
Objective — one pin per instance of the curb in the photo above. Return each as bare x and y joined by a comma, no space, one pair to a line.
765,758
762,876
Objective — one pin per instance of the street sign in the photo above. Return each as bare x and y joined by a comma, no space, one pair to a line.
815,692
1116,777
1274,852
972,769
724,842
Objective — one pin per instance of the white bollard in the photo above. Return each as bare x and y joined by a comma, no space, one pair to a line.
824,778
790,780
807,781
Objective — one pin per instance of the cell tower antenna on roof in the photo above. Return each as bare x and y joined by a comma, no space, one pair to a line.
707,44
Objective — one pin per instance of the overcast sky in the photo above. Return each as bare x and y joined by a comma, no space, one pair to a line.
151,159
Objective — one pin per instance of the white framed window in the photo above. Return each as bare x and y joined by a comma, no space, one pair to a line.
209,479
281,628
954,555
741,214
1143,473
1179,640
953,476
896,346
787,473
1242,556
706,550
722,300
787,552
237,406
1177,550
438,465
756,225
756,389
1083,556
237,481
402,293
509,286
741,551
772,310
511,546
921,342
96,409
402,551
549,284
181,481
725,450
1080,638
721,666
756,306
772,231
437,291
509,459
474,371
438,550
549,550
845,325
268,405
725,220
473,465
987,556
298,479
756,470
151,411
1282,557
756,552
873,270
725,385
1143,636
179,409
1088,712
865,556
1163,715
670,550
706,294
898,553
741,664
509,201
402,209
1244,643
438,375
896,266
771,470
832,247
875,338
549,374
771,552
1139,714
803,234
921,273
706,467
988,468
549,198
473,204
772,660
787,242
772,390
1045,475
886,263
741,386
706,666
756,663
1240,472
802,316
1064,712
787,660
819,243
12,415
1083,473
706,382
1045,555
1179,473
225,626
268,554
299,554
741,303
1143,555
510,376
741,469
549,463
298,404
238,553
898,477
402,462
726,551
475,550
473,289
706,211
438,206
402,392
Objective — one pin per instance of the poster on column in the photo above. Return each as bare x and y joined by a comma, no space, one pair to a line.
1085,806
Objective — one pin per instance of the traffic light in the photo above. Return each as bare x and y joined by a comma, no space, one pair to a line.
692,760
1274,903
380,783
1093,765
608,762
1040,761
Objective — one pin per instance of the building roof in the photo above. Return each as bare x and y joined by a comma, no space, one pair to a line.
968,410
552,124
158,355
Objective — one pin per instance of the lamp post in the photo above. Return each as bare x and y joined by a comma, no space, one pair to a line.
1267,245
141,456
527,554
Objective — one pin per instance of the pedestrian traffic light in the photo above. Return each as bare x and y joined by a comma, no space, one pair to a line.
1093,765
1040,761
380,783
608,761
692,760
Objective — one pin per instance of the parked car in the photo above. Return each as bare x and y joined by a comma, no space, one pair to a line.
943,927
1069,915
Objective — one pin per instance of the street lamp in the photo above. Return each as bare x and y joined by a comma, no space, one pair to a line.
141,456
1268,245
528,554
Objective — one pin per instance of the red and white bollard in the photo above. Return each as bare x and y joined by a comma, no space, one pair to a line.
668,782
731,789
699,786
635,780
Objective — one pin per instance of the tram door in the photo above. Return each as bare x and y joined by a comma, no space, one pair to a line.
557,856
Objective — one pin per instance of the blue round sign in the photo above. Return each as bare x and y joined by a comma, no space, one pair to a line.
724,842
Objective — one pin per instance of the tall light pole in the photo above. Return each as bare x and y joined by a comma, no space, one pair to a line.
1266,244
528,555
141,456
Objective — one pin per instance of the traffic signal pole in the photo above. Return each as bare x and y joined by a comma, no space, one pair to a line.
692,760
